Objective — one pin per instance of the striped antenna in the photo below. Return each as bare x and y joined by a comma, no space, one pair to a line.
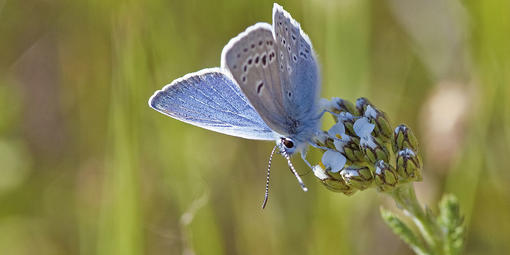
293,169
266,195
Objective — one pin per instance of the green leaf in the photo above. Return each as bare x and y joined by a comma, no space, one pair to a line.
451,222
403,231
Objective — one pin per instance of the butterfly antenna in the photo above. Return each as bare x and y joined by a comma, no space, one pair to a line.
266,195
294,170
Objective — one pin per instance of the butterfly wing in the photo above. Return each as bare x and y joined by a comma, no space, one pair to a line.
251,58
210,99
283,89
300,78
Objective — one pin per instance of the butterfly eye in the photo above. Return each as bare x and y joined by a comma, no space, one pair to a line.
287,143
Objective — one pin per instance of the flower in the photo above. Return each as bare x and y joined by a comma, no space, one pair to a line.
373,148
385,176
382,126
345,144
359,177
403,137
333,184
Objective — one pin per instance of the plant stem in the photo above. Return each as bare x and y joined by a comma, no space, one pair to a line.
406,200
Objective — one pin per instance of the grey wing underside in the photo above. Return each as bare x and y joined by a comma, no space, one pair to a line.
252,59
283,89
210,99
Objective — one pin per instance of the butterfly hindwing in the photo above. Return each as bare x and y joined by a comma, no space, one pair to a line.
300,77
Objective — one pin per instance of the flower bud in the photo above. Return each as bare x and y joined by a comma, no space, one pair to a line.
322,138
341,105
374,149
336,185
382,128
385,176
408,165
356,176
361,105
403,137
348,120
349,147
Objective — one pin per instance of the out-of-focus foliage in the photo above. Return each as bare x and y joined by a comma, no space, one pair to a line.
86,167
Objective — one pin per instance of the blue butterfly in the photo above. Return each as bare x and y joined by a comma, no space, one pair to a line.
267,88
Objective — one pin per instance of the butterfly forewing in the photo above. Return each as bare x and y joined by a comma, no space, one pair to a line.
251,58
211,100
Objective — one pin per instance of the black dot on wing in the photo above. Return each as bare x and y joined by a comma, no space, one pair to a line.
253,46
264,60
249,61
245,49
260,85
257,60
260,43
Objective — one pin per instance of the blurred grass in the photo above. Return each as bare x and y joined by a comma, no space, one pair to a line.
86,167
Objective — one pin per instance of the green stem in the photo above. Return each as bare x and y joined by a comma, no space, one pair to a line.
405,198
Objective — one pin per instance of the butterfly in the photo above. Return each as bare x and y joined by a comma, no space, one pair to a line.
267,88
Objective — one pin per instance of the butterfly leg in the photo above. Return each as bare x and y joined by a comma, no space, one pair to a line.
319,147
303,156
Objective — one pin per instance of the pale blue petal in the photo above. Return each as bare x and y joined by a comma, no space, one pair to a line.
363,128
334,160
337,129
370,112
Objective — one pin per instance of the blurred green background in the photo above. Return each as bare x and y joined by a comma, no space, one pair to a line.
86,167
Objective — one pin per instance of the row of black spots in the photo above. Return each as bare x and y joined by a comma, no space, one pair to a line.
269,42
243,79
260,86
305,46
